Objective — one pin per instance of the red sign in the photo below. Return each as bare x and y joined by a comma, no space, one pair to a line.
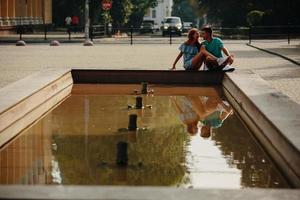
106,4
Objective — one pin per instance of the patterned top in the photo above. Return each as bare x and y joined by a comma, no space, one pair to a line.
189,51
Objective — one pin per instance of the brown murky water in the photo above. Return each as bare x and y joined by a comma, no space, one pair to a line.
76,143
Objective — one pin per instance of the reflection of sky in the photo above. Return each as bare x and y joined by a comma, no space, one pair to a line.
208,167
55,173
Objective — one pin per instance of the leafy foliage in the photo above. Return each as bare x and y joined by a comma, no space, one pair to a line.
139,9
185,10
235,12
254,17
62,9
122,11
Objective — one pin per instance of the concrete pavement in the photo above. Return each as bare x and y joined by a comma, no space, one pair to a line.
281,48
19,62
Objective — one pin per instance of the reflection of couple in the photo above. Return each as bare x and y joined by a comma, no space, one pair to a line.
204,113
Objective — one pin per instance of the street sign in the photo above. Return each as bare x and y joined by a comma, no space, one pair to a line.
106,4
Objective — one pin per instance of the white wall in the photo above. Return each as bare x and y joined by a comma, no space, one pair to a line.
163,9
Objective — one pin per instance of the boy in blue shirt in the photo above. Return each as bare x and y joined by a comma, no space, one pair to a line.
215,46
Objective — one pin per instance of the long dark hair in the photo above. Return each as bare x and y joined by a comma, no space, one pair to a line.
190,38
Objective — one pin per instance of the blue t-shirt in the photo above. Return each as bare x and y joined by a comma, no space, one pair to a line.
214,47
189,51
213,120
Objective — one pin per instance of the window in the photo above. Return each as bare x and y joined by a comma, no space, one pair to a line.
153,13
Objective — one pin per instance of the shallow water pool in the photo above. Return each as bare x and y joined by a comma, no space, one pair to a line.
77,143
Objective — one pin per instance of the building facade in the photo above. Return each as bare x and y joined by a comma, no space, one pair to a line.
16,12
157,14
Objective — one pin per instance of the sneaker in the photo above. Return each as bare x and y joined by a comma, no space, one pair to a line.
222,61
228,68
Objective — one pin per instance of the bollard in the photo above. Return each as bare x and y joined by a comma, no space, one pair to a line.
144,88
54,43
20,43
88,43
122,155
139,103
132,122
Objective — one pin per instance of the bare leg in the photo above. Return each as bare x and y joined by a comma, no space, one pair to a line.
198,60
200,57
211,63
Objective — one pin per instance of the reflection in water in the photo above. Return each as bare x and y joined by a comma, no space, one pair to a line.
201,113
27,159
77,144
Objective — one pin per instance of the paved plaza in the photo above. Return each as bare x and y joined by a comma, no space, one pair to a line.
282,74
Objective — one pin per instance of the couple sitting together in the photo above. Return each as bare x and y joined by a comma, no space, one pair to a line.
211,52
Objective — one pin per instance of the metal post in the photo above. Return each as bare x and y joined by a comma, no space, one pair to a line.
21,30
170,34
45,32
131,32
289,36
92,33
87,21
43,15
289,19
105,28
250,32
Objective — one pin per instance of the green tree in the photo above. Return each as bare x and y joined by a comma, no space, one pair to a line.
62,9
234,12
185,10
227,13
120,12
139,10
255,17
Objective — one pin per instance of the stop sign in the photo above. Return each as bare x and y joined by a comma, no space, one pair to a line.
106,4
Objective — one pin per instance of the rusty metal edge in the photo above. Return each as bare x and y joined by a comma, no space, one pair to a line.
151,76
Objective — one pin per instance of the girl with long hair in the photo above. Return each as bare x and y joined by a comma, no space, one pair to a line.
192,51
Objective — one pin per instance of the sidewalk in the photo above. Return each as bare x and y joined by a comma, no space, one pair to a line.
284,73
281,48
18,62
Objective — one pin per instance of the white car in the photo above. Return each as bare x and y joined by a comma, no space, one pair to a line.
171,25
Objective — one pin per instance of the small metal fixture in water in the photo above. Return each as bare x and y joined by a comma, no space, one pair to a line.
122,156
144,88
139,103
132,122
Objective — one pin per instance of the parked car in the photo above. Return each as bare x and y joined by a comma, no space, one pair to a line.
147,27
173,25
187,26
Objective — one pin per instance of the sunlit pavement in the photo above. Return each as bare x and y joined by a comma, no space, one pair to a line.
19,62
